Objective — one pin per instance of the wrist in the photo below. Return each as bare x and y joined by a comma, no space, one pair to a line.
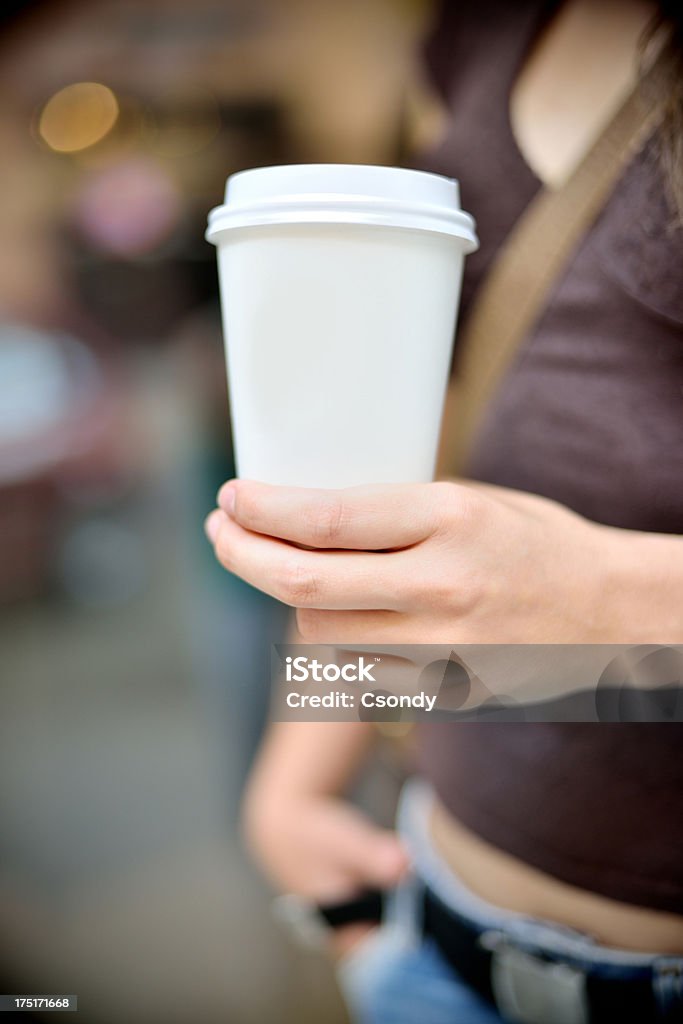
269,811
642,587
263,807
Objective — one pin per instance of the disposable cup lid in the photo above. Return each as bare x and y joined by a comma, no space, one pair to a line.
343,194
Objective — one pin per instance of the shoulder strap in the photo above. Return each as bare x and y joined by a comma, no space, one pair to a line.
530,262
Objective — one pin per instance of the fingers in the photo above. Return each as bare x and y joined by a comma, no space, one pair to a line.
300,578
344,628
327,850
384,859
363,518
370,855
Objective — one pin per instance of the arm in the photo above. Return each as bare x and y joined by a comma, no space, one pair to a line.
306,838
449,563
320,757
645,587
636,586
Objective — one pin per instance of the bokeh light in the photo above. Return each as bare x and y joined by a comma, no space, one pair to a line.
128,207
78,116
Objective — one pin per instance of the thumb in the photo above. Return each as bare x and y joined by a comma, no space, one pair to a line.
388,860
375,856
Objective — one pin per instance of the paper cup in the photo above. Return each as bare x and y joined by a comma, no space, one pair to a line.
339,291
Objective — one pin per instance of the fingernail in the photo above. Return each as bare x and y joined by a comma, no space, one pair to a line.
226,498
212,525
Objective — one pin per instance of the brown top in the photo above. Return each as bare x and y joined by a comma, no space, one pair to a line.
591,415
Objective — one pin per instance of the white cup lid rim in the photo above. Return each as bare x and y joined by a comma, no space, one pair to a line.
343,193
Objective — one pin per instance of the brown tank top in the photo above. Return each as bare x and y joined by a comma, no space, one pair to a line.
591,415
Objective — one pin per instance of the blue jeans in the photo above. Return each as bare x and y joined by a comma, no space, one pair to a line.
409,984
396,976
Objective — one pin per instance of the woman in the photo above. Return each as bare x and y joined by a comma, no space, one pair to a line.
548,859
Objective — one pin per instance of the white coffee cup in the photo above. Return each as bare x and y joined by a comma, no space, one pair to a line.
339,289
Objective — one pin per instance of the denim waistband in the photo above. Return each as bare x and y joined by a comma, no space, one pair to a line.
544,936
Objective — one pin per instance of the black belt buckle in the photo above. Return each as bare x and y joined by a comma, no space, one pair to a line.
530,989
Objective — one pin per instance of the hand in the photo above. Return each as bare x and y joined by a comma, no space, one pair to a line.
422,563
324,849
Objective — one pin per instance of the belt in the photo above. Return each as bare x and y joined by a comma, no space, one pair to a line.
531,986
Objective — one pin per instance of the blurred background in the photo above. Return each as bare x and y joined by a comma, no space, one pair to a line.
133,672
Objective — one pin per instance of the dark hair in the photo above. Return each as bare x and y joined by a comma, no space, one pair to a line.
665,34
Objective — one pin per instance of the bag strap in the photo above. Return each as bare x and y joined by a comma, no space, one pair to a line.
535,253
